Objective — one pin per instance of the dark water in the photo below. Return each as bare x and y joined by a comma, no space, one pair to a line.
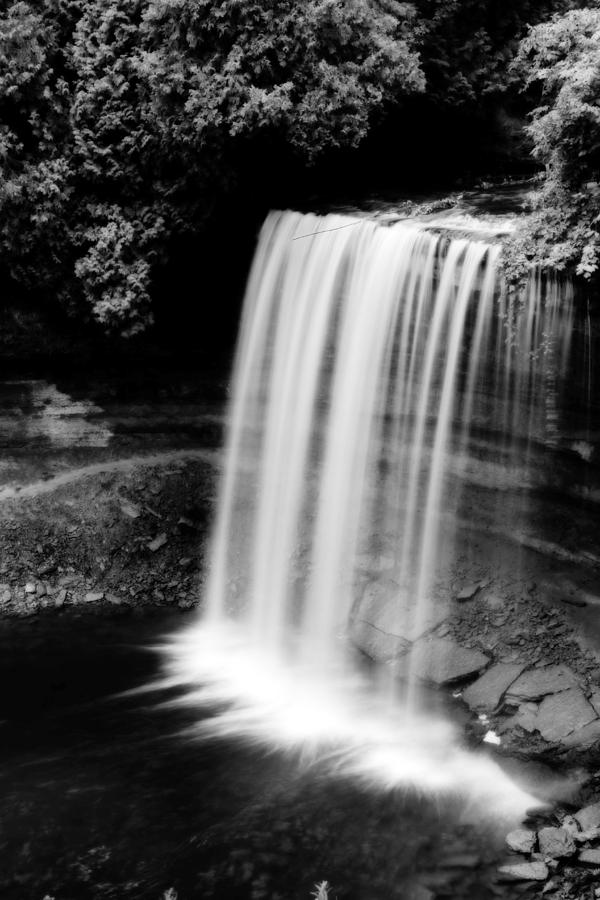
102,797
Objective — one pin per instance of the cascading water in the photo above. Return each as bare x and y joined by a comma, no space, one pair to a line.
366,362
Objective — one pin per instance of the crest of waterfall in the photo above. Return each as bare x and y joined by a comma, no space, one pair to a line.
372,361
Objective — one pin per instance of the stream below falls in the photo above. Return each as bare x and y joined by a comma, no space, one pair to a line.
103,795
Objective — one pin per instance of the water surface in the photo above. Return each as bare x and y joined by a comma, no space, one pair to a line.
103,797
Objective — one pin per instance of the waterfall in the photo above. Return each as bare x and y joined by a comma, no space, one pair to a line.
372,363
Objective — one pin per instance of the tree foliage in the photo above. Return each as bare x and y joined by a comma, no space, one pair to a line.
468,46
561,59
121,122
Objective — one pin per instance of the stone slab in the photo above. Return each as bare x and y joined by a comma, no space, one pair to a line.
588,817
487,692
590,857
595,701
537,683
562,713
468,592
556,843
377,644
521,840
530,871
525,718
442,661
584,737
385,622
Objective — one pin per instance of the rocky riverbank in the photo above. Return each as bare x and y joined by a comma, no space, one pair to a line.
117,533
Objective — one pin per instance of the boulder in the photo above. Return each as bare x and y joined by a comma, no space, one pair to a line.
529,871
521,840
560,714
468,592
537,683
385,622
377,644
487,691
590,857
572,826
556,843
585,837
584,737
525,718
159,541
442,661
588,817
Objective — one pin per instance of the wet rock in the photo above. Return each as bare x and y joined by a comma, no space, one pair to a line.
185,562
585,837
529,871
588,817
584,737
40,589
487,691
378,644
46,569
442,661
468,592
159,541
384,623
571,825
560,714
30,587
114,599
94,596
589,857
595,700
556,843
521,840
525,718
60,598
537,683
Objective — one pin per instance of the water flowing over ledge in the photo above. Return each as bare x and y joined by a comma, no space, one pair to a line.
366,362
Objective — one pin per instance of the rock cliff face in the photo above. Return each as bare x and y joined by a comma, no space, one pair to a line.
517,588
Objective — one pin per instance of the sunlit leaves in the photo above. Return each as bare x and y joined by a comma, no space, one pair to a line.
561,58
121,121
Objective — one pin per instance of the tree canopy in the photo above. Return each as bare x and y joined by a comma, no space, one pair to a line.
122,122
561,59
